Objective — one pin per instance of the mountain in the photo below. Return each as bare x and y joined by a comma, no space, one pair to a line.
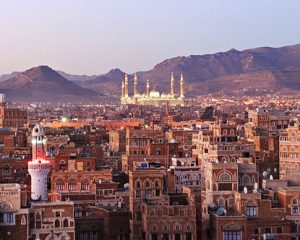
248,72
43,84
251,71
75,78
271,69
8,76
109,83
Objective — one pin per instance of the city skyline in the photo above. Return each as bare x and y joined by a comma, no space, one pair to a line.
81,38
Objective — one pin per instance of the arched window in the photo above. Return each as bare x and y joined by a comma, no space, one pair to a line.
224,177
85,185
147,184
66,223
57,223
177,228
138,184
188,227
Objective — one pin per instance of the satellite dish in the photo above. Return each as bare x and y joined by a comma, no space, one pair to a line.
213,206
221,211
245,189
126,186
271,177
265,174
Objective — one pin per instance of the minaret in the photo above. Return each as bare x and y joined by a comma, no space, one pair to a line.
148,88
135,85
181,86
172,84
126,85
123,89
38,167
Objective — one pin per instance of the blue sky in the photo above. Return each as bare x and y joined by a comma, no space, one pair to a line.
93,36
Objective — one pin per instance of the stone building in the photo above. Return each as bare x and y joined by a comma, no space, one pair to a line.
155,213
289,147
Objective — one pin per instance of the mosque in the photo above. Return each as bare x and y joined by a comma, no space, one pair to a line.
152,97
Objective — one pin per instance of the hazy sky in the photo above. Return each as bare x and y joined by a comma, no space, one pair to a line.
93,36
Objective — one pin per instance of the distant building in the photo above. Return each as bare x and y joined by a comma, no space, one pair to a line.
152,97
11,117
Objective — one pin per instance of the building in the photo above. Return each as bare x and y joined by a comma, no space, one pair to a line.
156,214
11,117
289,146
39,167
152,97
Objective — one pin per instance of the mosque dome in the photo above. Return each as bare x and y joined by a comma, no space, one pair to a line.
154,94
38,131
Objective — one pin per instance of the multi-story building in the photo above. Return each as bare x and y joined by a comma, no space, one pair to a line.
155,213
11,117
220,142
42,220
183,172
147,145
117,141
289,147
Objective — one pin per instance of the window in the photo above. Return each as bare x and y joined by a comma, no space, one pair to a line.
57,223
295,210
279,230
232,235
268,230
84,186
57,214
165,236
157,192
148,193
66,223
138,193
144,142
78,213
138,216
60,186
6,217
177,236
188,236
72,186
251,211
225,187
154,236
256,231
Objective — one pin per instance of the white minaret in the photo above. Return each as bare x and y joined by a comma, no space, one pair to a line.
39,167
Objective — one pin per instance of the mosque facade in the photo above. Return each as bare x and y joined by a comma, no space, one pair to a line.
152,97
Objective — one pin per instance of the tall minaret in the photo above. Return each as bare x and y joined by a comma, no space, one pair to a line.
148,88
39,167
181,86
172,84
135,85
126,85
123,89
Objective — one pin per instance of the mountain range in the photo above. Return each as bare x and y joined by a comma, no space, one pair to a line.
248,72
